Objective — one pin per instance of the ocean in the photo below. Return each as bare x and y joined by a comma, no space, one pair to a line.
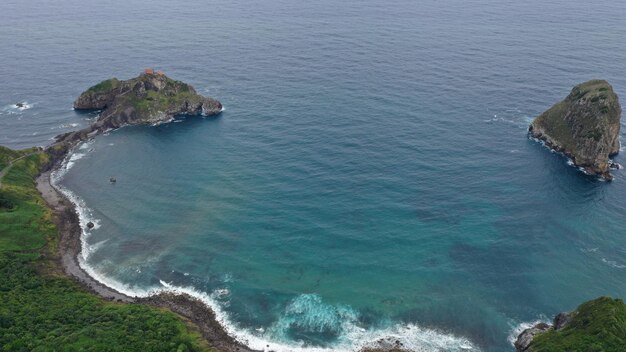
370,176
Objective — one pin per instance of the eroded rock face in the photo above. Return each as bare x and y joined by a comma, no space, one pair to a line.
561,320
147,99
584,126
525,339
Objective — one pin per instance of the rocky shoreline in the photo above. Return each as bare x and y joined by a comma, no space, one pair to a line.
66,215
598,149
525,339
112,116
70,246
194,310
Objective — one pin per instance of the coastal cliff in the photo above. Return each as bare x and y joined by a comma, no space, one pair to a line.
584,126
596,325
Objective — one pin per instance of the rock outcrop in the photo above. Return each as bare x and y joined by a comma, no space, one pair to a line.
150,98
147,99
584,126
525,339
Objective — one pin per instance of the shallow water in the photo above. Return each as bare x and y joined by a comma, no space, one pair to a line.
371,173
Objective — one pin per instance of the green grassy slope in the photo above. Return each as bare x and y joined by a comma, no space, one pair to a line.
105,85
590,102
41,309
597,326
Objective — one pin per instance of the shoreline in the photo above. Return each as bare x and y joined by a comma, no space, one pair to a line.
70,247
206,318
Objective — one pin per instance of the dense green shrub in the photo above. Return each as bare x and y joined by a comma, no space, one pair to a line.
5,202
41,310
597,325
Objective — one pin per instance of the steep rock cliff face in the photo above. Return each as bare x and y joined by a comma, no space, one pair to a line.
147,99
584,126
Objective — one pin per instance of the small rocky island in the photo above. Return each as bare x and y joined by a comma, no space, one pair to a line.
151,98
584,126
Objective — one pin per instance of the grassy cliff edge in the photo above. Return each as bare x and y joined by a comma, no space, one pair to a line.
598,325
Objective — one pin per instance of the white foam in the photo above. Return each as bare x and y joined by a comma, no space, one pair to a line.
613,264
85,214
499,119
227,277
14,109
614,164
222,293
164,121
204,113
68,125
25,106
352,336
517,329
568,160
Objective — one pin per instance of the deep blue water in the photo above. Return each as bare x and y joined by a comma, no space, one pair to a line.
371,173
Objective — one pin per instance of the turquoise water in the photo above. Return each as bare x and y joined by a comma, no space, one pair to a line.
371,173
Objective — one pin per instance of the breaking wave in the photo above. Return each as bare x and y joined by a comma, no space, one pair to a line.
517,329
306,313
16,108
85,214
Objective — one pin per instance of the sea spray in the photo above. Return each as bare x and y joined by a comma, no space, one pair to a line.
85,214
15,108
308,314
351,337
518,328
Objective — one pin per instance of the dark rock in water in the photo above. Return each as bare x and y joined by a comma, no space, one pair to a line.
147,99
585,127
90,225
112,180
19,105
525,339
